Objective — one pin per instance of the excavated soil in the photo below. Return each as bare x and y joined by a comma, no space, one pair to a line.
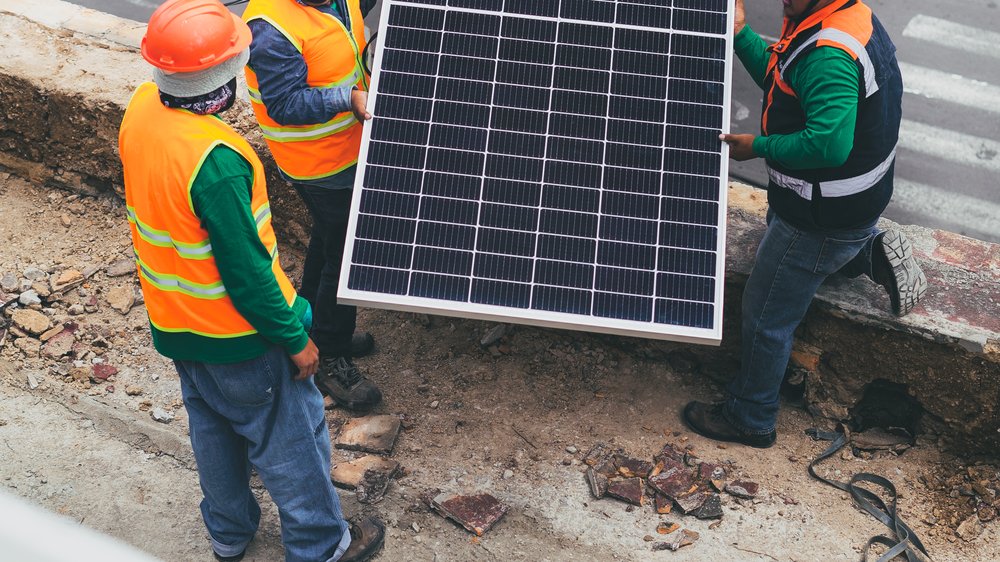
513,419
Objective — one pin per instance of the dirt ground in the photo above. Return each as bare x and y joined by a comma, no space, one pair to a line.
514,419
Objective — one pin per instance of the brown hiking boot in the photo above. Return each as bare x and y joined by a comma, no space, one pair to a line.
708,420
367,537
342,381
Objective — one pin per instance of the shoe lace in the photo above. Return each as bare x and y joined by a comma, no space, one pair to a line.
346,371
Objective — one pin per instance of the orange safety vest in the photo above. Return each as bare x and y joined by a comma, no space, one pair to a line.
332,54
162,150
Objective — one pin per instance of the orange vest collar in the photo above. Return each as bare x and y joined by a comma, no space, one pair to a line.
790,29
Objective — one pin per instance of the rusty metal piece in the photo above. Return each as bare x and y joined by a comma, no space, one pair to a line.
633,468
598,483
710,509
477,513
664,505
743,489
667,527
630,490
686,537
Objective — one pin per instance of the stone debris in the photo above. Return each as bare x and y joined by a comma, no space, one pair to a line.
348,475
29,298
970,529
373,486
629,490
667,527
121,268
9,282
51,333
121,298
133,390
31,321
34,274
743,489
597,455
494,335
711,508
59,345
664,505
598,483
161,415
633,468
103,371
67,280
371,434
32,382
686,537
478,513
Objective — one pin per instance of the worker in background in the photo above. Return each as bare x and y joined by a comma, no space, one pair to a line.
832,105
308,88
219,304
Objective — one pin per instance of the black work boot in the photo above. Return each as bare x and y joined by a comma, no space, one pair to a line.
340,379
367,537
895,268
708,420
234,558
362,343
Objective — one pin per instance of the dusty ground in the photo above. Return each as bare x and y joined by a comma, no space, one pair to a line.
504,421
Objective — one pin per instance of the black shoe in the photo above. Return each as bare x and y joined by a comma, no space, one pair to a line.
707,420
235,558
895,268
362,343
367,537
343,382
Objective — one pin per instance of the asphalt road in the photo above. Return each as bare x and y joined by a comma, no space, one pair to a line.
948,161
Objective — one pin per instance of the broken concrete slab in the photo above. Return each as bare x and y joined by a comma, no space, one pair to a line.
67,280
630,490
478,513
674,482
121,298
691,503
58,345
633,468
348,475
710,509
31,321
598,483
371,434
743,489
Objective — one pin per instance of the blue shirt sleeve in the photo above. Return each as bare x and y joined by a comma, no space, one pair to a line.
281,77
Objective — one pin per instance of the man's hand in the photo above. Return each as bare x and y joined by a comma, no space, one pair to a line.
307,361
740,18
359,103
740,146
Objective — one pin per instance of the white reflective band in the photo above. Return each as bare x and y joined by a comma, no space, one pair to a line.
802,187
834,188
845,39
309,133
857,184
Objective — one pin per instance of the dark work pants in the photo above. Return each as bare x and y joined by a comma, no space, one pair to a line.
333,324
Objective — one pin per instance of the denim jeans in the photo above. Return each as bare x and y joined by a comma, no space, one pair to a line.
790,266
333,324
254,414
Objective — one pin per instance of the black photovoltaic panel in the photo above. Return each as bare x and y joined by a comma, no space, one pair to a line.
548,161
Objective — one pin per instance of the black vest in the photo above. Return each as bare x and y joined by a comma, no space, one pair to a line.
856,193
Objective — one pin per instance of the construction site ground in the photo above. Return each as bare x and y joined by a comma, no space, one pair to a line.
513,419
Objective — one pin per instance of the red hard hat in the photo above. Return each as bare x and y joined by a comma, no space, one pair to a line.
192,35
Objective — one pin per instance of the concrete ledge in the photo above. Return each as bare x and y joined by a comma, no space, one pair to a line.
66,74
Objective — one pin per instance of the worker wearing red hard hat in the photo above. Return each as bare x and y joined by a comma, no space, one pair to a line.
308,88
219,304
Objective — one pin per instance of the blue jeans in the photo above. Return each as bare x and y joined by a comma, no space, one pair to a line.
790,266
254,414
333,323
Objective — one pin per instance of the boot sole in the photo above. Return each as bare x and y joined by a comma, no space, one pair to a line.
910,281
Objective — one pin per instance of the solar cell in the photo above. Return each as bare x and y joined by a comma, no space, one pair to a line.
551,162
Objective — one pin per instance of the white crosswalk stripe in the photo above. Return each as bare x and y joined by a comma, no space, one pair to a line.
953,146
954,35
970,214
951,88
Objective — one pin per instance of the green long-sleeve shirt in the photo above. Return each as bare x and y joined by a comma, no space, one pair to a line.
221,194
826,83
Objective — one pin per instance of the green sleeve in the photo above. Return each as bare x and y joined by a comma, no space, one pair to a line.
221,196
827,83
753,53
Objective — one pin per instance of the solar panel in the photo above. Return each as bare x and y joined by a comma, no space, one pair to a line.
549,162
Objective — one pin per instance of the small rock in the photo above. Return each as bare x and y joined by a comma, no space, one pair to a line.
121,298
145,405
67,279
51,333
32,382
133,390
572,450
29,298
667,527
494,335
31,321
684,538
66,221
435,404
34,274
103,371
161,415
30,346
58,345
41,289
415,527
76,309
648,538
120,268
508,474
743,489
970,528
9,282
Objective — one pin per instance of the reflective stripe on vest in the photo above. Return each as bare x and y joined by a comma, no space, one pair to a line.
193,251
834,188
852,45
